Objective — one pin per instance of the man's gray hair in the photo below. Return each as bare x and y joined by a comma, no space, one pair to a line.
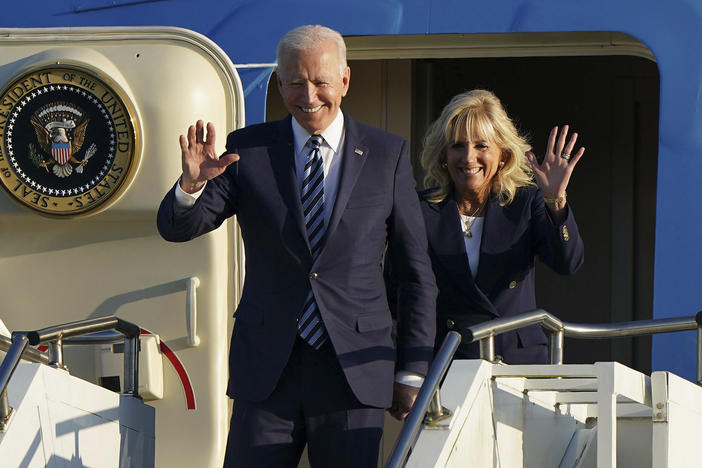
308,37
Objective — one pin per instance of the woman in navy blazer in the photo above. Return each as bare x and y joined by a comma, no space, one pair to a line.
493,209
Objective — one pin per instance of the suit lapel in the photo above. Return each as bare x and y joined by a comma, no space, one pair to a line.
446,240
282,154
353,156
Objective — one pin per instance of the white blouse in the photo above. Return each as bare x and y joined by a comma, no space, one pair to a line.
472,243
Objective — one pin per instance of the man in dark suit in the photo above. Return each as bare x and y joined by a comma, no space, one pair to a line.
319,197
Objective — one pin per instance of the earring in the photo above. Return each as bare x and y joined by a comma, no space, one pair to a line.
502,163
444,165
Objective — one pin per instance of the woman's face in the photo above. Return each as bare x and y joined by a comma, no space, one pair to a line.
472,163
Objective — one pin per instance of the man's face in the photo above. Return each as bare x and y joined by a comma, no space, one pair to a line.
312,86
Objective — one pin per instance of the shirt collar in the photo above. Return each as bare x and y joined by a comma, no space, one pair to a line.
332,134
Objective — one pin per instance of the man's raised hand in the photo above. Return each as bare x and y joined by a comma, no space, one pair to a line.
199,158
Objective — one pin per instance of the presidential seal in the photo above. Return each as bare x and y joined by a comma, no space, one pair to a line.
67,141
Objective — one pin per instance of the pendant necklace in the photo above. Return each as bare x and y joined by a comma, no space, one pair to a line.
469,222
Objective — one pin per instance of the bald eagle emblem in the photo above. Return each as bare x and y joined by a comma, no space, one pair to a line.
60,128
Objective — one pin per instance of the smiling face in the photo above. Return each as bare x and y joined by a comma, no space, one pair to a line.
312,85
472,164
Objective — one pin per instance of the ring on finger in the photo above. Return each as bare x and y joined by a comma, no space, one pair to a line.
565,156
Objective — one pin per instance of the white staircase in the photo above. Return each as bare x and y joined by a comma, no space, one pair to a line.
62,421
600,415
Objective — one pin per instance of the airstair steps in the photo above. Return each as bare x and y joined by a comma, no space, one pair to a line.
598,415
59,420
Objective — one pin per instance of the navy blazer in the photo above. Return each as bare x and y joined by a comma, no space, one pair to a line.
376,206
513,235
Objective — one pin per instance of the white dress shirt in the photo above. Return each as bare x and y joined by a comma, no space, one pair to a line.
473,243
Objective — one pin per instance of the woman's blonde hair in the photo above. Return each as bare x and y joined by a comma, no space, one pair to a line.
481,115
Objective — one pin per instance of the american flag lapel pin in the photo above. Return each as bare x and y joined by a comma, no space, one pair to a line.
358,151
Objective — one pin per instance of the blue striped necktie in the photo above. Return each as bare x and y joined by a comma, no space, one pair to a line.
310,326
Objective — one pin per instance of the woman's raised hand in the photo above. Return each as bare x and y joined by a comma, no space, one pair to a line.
199,160
554,172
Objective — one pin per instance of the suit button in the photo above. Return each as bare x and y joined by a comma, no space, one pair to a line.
565,234
314,276
512,284
450,324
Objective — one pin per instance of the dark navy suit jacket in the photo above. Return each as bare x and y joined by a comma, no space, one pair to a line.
513,236
376,206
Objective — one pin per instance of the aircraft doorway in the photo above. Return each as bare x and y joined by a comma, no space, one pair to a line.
610,100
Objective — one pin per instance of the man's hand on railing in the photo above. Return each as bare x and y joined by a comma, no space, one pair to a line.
403,397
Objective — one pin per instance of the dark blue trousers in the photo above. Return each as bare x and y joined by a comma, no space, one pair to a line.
314,405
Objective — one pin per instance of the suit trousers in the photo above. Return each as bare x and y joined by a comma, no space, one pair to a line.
312,404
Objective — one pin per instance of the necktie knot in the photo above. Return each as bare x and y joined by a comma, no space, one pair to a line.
315,142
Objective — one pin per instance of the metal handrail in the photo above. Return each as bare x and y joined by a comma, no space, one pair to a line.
54,336
637,328
427,395
100,338
485,332
641,328
556,329
82,327
29,354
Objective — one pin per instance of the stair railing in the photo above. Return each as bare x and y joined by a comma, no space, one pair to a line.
73,333
427,408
